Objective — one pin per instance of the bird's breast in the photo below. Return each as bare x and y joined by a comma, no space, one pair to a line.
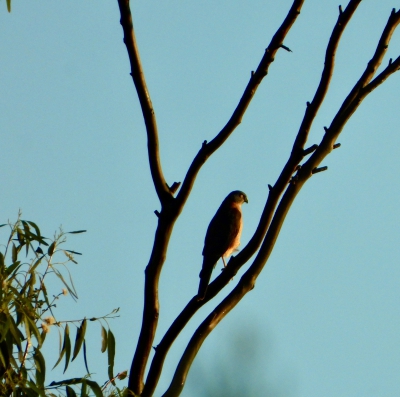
235,243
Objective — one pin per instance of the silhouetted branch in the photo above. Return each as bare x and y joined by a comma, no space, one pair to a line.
209,148
280,196
247,281
275,193
356,93
144,99
206,150
312,109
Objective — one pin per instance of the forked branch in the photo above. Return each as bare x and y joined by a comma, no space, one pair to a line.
247,282
172,207
297,154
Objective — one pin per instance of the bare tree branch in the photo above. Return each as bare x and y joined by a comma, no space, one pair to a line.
356,96
145,101
274,212
374,63
275,193
171,207
247,282
208,149
167,216
204,153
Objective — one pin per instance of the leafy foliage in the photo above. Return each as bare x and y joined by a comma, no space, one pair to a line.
27,311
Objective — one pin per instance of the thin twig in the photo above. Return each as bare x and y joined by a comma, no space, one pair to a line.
145,101
208,149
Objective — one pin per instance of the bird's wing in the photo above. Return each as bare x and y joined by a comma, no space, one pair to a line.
221,232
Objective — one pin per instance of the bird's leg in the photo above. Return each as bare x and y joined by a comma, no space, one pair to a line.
223,260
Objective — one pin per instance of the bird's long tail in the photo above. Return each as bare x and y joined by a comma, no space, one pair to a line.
205,276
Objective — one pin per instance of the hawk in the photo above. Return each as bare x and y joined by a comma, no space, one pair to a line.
222,237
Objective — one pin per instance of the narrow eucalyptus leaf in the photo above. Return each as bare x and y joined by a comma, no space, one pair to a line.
84,388
72,381
103,339
85,356
34,329
37,230
14,253
70,392
50,251
13,268
95,388
80,336
67,342
64,346
40,368
74,252
111,355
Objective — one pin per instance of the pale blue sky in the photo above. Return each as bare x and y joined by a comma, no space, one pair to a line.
325,311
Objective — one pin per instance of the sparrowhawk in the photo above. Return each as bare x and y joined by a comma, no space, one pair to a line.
222,237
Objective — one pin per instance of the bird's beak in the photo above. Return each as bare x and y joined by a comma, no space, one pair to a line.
246,200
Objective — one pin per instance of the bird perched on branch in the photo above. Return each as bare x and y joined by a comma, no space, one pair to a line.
222,237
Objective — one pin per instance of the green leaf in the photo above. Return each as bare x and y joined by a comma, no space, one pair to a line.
70,257
71,291
50,251
9,5
67,343
4,224
85,357
32,390
64,347
72,381
5,353
95,388
2,263
40,368
37,230
14,254
15,332
103,339
74,252
36,264
13,268
27,236
70,392
20,236
34,329
77,231
84,388
111,355
80,336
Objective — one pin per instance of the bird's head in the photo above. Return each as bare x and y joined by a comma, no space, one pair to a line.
237,196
